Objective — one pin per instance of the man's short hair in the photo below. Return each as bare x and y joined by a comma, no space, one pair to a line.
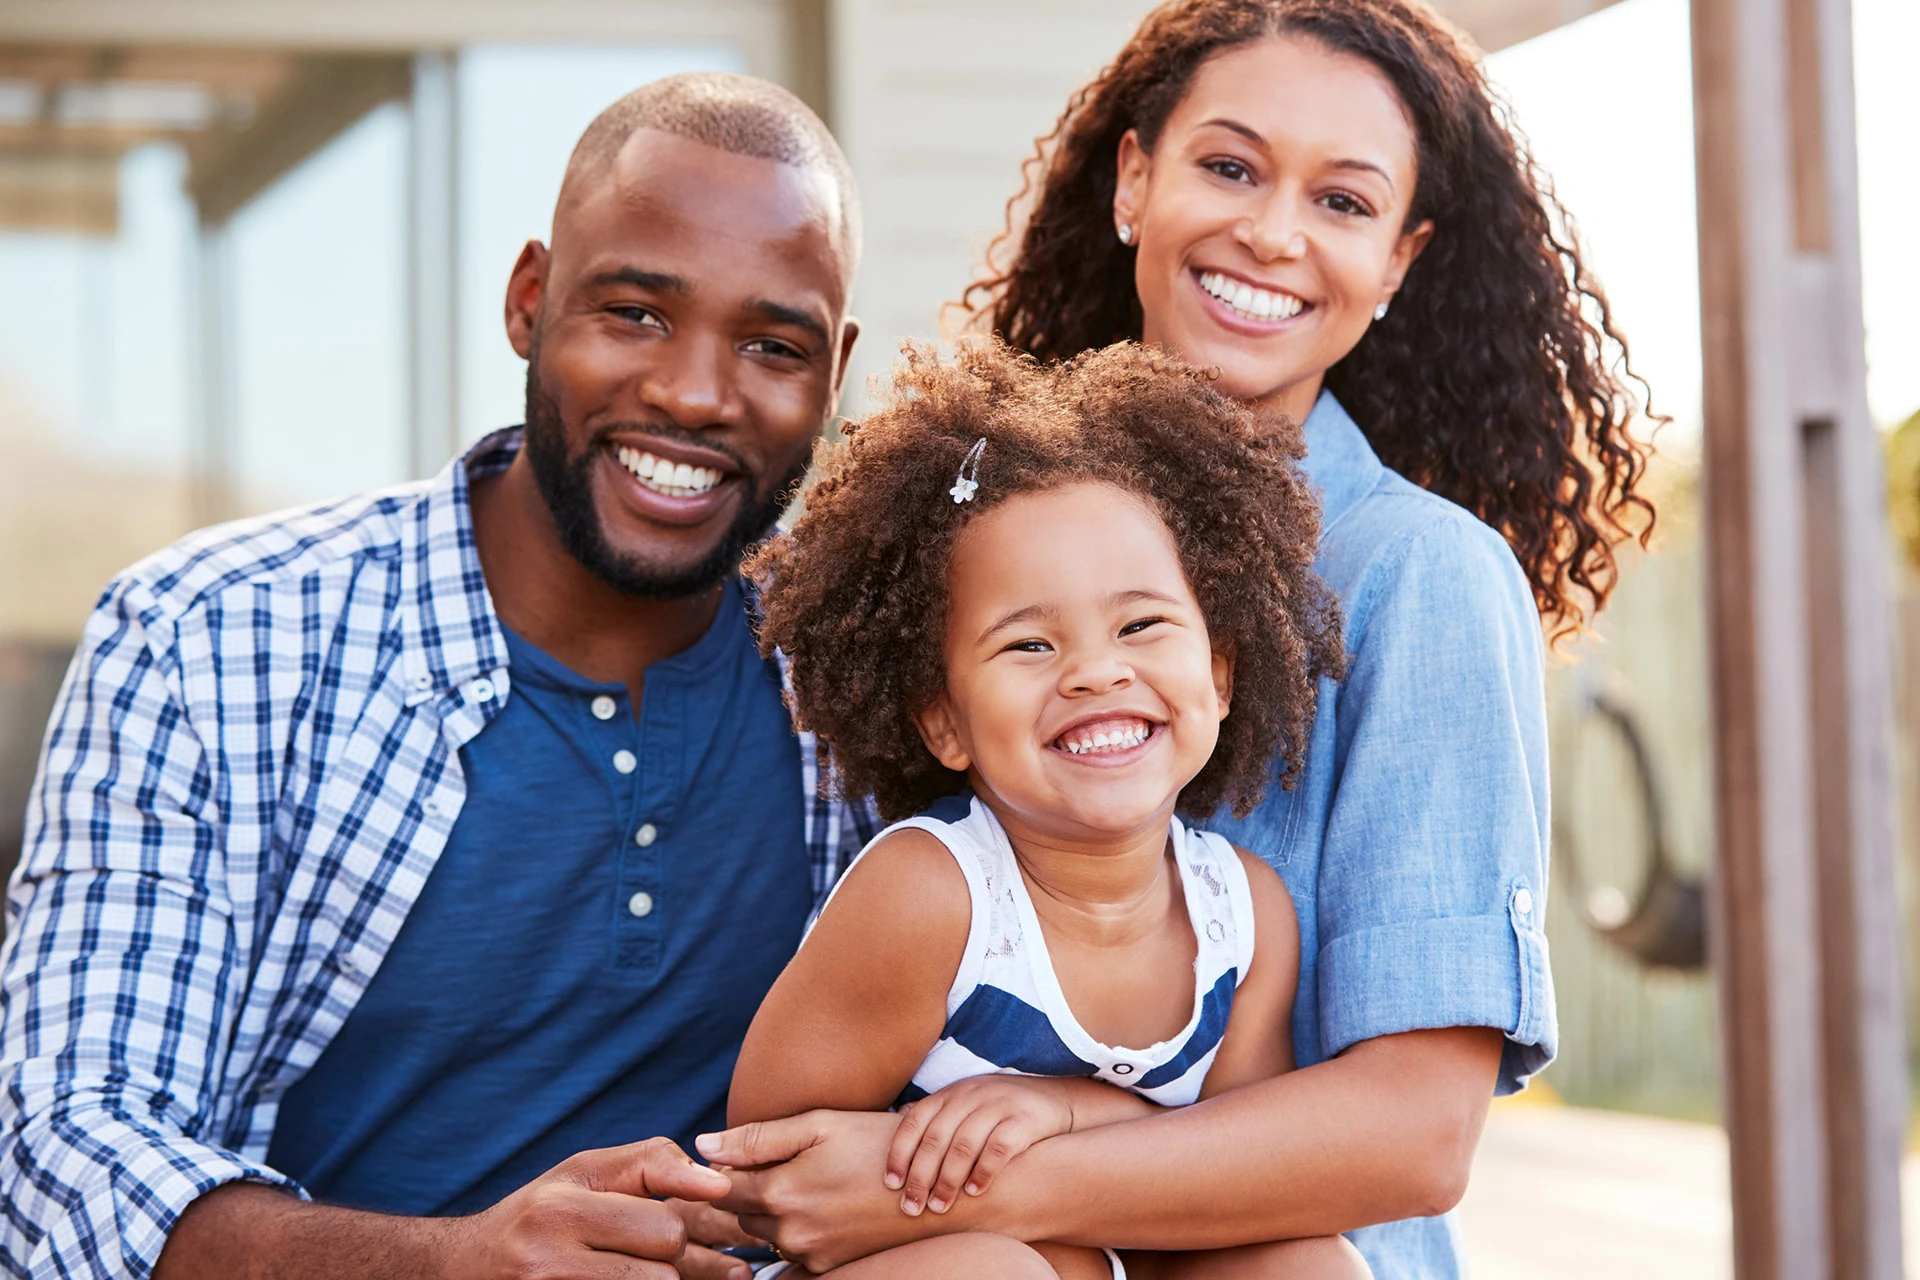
740,114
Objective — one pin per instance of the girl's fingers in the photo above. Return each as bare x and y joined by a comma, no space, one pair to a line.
928,1156
1008,1140
906,1139
969,1140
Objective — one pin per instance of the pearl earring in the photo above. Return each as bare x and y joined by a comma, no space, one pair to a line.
1380,312
1126,233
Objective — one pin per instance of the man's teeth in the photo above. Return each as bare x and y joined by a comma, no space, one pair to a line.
1244,299
675,479
1113,739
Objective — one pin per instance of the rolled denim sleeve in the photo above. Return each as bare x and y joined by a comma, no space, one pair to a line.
1433,876
117,991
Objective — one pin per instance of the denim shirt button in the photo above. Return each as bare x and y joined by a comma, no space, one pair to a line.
1523,902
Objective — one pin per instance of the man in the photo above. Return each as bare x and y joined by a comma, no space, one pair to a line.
398,851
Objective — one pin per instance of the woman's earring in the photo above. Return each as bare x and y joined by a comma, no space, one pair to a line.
1126,233
1380,312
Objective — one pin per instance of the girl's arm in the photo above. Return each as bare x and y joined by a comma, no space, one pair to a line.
1259,1040
857,1009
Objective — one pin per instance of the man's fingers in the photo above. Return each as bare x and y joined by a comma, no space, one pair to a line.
763,1142
615,1222
708,1225
655,1167
701,1263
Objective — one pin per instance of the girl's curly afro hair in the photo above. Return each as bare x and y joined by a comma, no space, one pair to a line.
855,595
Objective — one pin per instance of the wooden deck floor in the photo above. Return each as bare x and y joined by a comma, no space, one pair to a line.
1573,1194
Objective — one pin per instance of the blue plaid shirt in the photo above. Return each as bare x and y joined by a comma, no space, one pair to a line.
252,767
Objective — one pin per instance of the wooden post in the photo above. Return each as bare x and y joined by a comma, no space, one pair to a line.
1805,920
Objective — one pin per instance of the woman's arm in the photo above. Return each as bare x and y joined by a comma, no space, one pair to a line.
1386,1130
857,1009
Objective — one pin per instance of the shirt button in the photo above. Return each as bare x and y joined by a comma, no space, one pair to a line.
625,761
640,905
433,808
604,707
1523,901
423,681
481,690
1123,1068
646,835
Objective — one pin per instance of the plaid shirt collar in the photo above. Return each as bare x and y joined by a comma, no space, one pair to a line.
450,633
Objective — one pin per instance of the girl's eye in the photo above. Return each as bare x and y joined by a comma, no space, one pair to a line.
1136,627
1231,170
1028,646
1348,203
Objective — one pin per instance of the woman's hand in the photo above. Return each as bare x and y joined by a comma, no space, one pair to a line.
812,1184
966,1133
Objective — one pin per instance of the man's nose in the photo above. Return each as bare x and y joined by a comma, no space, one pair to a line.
692,382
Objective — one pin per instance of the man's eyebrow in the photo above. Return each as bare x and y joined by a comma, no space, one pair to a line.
658,281
781,313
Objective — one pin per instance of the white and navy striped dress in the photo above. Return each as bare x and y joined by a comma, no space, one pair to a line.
1006,1013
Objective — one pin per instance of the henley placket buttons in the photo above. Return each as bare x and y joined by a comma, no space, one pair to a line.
640,905
603,707
625,761
646,835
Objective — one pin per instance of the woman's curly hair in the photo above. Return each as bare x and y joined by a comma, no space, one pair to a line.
855,594
1497,380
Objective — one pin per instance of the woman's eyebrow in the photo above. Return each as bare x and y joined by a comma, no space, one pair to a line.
1234,126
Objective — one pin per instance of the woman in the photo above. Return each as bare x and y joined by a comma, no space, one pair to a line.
1321,199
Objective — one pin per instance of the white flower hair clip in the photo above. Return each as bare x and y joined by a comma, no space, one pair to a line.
968,480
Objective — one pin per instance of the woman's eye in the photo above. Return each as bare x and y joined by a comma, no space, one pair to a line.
1352,205
1231,170
1136,627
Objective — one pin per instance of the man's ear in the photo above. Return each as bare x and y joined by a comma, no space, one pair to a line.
1223,681
942,735
849,333
525,287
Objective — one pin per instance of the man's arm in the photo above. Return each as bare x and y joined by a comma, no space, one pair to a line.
588,1217
1385,1131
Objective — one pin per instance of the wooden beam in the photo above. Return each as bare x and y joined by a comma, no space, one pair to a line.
1805,945
322,98
75,191
1495,24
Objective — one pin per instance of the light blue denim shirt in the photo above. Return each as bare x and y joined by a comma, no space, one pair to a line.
1415,844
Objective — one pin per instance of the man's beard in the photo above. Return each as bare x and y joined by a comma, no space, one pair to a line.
566,482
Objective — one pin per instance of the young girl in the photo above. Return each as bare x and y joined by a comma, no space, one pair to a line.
1081,594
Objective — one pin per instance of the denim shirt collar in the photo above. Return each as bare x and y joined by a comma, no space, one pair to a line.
1341,464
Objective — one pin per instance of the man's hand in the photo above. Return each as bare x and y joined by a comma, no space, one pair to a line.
812,1184
708,1231
965,1134
592,1217
589,1215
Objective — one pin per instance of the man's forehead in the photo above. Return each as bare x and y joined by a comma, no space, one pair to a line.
658,181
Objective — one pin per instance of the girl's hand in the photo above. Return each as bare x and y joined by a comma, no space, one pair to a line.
965,1134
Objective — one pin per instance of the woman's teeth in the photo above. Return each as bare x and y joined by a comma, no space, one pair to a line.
1255,304
1111,739
675,479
